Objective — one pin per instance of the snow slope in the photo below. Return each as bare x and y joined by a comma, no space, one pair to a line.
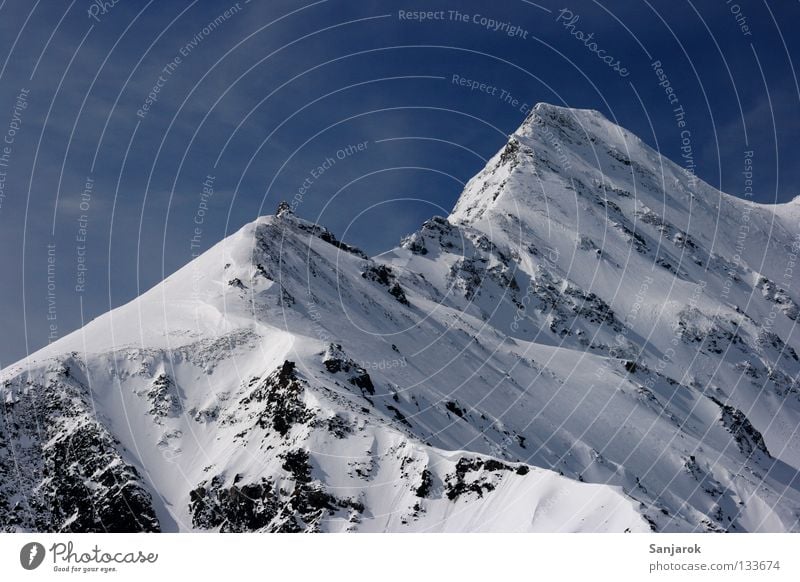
588,342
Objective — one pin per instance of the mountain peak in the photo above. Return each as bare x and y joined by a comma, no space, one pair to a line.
575,126
557,146
543,108
283,208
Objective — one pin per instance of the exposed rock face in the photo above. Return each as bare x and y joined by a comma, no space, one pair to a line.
60,468
748,439
263,507
276,403
336,361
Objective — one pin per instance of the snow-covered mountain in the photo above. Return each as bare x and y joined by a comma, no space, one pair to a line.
593,340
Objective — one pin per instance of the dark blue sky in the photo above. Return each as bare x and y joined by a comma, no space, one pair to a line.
261,95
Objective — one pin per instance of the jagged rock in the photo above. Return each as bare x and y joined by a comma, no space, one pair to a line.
163,397
384,276
335,361
747,438
276,403
74,476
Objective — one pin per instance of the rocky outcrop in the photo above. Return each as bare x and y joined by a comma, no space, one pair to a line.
61,470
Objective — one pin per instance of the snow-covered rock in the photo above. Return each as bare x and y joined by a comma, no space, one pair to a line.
591,341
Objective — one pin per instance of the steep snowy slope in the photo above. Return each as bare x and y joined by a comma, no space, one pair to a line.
585,344
219,400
